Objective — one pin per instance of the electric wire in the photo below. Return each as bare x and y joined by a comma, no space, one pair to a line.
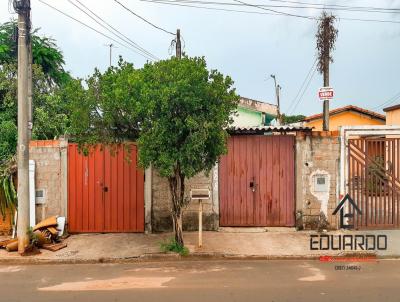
302,86
328,6
200,6
206,8
349,9
390,101
145,20
275,11
304,90
114,31
97,31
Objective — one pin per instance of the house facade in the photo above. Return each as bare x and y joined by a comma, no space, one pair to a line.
266,179
346,116
253,113
392,115
272,176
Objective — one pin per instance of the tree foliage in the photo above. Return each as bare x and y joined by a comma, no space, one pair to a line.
50,115
45,53
290,119
326,38
107,107
176,109
50,107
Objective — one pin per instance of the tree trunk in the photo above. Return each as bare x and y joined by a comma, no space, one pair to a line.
177,220
177,190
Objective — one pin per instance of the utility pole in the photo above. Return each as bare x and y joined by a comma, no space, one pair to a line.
277,93
111,46
30,87
325,114
178,44
326,38
22,7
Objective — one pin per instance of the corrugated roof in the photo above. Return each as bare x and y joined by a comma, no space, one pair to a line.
257,129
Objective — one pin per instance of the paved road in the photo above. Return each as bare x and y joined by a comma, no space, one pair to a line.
202,281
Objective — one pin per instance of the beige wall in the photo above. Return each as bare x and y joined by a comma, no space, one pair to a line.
50,176
316,156
161,204
393,117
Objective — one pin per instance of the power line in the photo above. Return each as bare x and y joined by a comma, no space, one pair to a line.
275,11
388,102
183,4
114,31
308,6
336,5
92,28
145,20
165,2
304,90
302,85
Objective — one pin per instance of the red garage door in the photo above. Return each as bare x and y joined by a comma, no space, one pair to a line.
105,190
257,181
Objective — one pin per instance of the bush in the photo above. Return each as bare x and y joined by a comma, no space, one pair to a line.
172,246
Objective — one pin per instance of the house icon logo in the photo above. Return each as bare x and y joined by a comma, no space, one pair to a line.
352,208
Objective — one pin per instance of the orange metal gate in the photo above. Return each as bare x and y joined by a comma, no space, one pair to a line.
105,190
257,181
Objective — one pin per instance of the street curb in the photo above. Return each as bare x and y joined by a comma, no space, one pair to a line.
168,257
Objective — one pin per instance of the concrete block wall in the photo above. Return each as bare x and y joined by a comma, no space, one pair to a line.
317,154
161,204
50,176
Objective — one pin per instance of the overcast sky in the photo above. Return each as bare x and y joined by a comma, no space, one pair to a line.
248,47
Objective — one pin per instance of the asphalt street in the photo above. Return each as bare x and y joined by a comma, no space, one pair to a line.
233,280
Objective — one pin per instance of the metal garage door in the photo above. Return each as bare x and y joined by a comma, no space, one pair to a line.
105,190
257,181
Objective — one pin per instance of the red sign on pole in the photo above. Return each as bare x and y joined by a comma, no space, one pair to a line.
325,93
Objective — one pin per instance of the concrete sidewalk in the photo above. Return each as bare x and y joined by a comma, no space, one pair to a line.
92,248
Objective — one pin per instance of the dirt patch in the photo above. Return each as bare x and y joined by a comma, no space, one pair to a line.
120,283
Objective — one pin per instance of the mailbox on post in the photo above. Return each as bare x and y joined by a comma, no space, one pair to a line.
200,194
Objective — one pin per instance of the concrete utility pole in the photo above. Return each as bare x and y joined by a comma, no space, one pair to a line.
22,7
277,93
178,44
325,114
326,38
111,47
30,89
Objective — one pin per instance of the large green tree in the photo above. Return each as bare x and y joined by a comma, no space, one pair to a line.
50,104
176,109
50,115
45,53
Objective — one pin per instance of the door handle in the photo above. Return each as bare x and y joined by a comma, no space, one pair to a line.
253,186
105,189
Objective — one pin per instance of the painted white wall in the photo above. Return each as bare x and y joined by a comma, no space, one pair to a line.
32,194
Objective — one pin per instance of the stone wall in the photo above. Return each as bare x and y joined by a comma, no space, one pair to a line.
317,160
161,204
50,177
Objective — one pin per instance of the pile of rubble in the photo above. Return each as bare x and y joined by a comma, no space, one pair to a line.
47,235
